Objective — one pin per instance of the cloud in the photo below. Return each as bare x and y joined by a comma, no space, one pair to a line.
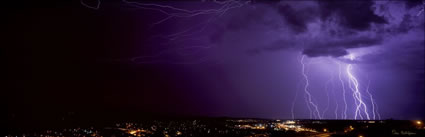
314,28
333,52
337,48
356,15
412,3
297,19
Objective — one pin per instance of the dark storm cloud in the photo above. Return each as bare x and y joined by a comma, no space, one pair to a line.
316,48
328,27
317,28
412,3
297,19
339,47
353,17
356,15
323,51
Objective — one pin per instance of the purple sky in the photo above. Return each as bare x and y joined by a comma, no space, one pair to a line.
245,62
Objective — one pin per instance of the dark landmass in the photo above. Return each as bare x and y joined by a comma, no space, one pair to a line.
228,127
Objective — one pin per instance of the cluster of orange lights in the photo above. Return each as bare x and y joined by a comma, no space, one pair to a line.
280,125
351,128
138,132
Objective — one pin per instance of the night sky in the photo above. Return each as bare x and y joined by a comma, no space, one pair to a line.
126,59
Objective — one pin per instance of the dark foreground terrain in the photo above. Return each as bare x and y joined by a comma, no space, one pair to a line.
218,127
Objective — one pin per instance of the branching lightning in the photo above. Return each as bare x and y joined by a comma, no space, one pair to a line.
316,112
346,76
220,7
375,112
356,93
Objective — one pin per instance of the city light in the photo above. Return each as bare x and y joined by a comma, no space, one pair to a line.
351,128
290,122
178,133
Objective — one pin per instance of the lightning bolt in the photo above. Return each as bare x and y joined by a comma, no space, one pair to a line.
219,8
371,100
374,110
308,96
377,112
354,85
